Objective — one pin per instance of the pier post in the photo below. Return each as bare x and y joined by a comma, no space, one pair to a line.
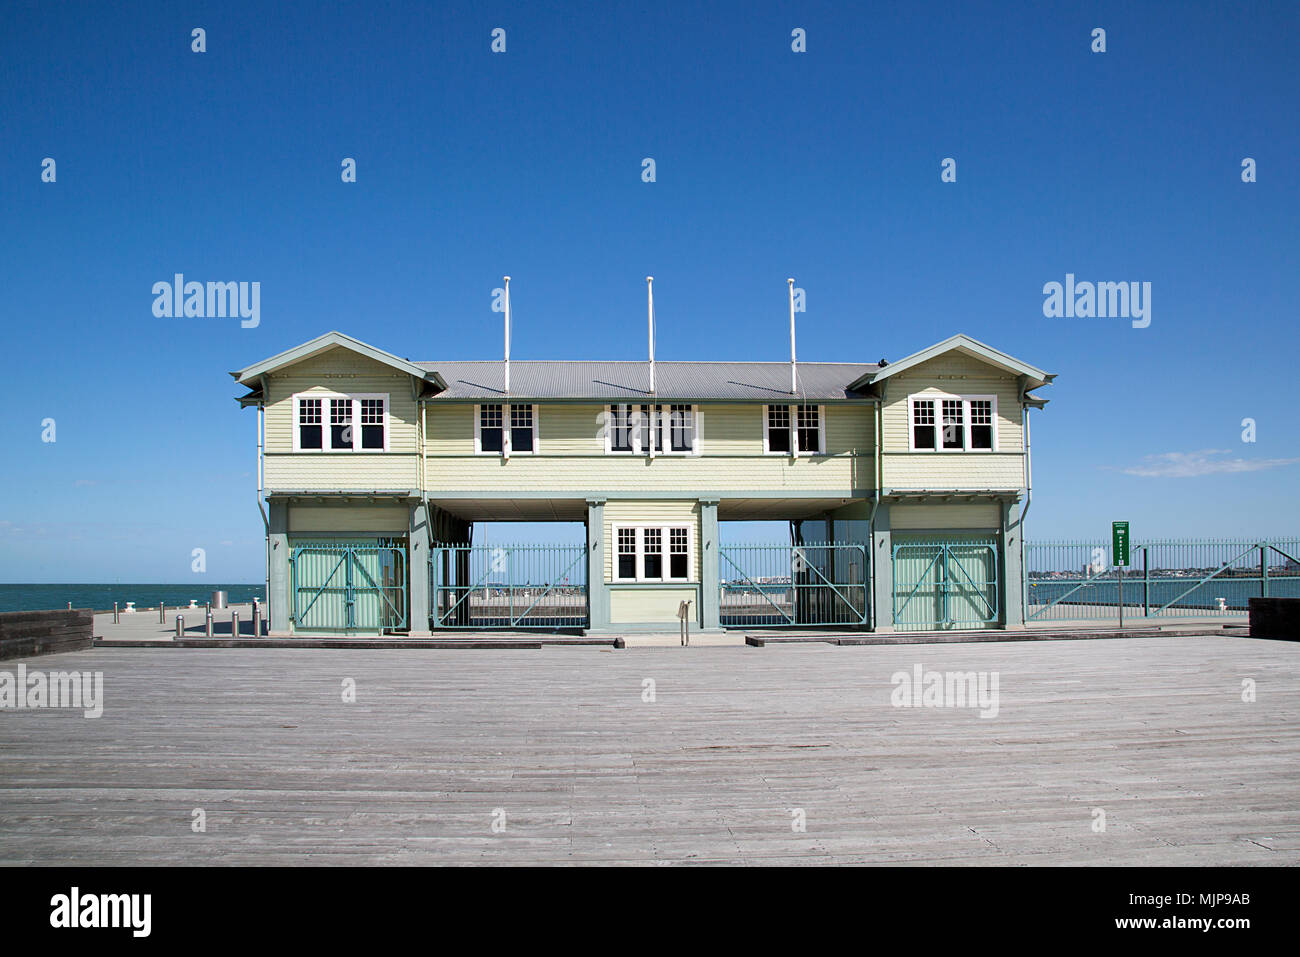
417,558
882,565
278,594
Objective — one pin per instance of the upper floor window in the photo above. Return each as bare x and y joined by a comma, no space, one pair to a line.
344,413
629,428
653,553
953,424
794,429
494,433
309,424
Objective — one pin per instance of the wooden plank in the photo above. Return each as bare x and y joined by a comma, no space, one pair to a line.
1153,731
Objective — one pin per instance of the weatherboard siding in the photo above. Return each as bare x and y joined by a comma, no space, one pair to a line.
951,374
651,605
340,371
571,454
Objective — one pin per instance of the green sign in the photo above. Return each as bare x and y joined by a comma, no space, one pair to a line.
1119,543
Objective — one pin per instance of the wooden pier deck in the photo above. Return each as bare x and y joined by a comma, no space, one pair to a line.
559,743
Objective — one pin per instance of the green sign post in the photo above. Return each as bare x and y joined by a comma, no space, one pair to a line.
1119,557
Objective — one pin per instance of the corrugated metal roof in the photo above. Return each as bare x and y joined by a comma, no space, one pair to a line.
564,379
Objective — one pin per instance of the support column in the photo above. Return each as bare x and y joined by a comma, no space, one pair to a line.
278,572
417,557
882,571
709,561
597,591
1013,600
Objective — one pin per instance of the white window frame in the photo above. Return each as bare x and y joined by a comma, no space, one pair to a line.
663,420
506,449
355,398
938,399
665,531
793,408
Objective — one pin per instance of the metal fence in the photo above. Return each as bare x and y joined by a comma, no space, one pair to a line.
1213,578
941,584
776,584
509,586
348,587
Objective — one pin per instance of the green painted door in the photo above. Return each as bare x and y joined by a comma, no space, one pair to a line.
948,581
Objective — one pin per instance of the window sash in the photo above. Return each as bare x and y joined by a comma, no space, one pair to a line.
523,431
808,422
619,426
652,553
491,434
310,430
339,433
681,427
953,433
795,429
506,428
628,429
953,423
778,428
923,430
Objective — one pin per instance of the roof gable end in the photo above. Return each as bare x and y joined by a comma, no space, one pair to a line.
1033,376
251,375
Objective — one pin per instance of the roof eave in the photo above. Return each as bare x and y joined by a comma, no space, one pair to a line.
329,340
987,353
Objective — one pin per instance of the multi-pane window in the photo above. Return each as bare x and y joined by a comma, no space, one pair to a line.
521,428
652,422
489,428
679,553
629,428
778,428
954,424
681,425
627,553
981,423
922,423
344,412
493,425
794,427
954,429
809,421
620,427
654,553
309,424
340,423
372,423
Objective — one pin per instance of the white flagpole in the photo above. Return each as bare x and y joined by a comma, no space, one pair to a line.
507,279
505,408
650,320
794,382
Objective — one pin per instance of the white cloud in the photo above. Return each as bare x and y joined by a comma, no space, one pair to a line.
1202,462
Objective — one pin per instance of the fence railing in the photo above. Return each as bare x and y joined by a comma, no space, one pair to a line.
812,583
1212,578
508,586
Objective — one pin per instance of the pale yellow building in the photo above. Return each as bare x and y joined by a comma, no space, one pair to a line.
904,485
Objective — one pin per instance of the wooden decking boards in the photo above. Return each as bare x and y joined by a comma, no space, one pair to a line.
1153,731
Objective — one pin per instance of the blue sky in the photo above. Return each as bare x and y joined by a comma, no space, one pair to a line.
825,166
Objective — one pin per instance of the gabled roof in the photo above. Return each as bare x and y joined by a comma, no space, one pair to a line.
630,381
1033,377
330,340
